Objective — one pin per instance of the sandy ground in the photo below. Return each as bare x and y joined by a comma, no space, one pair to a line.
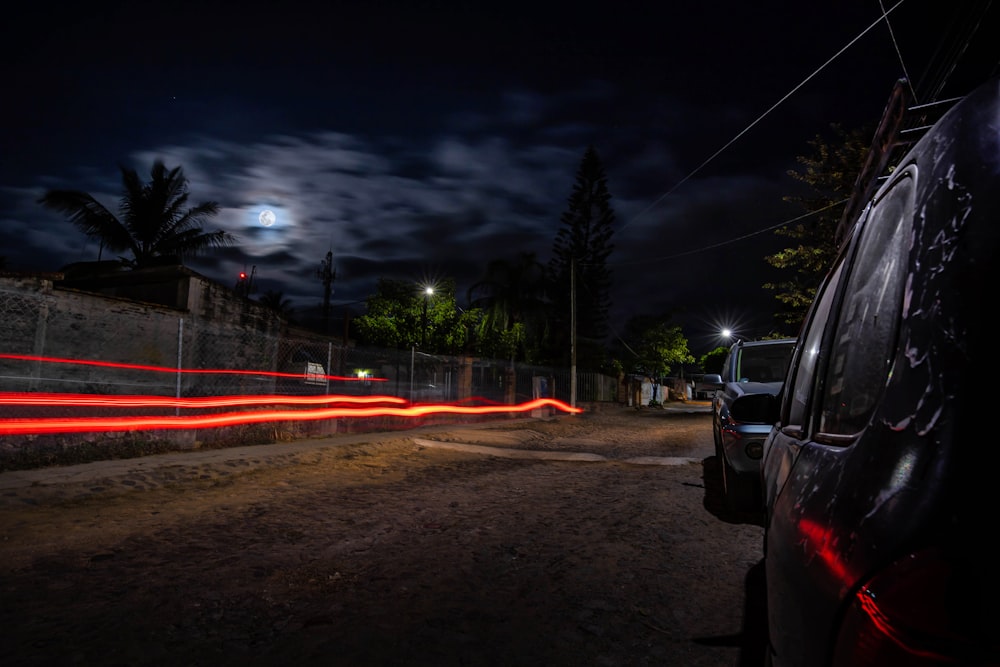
592,539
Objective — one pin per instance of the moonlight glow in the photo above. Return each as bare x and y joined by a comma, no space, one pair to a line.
267,217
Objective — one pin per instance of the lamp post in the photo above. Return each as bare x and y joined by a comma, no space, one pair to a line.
428,291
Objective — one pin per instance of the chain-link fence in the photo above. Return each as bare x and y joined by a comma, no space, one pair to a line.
79,343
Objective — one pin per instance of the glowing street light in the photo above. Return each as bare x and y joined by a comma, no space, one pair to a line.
428,291
729,335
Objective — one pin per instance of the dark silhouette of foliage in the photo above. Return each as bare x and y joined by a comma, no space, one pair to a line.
275,300
578,268
713,360
651,345
511,298
153,223
830,171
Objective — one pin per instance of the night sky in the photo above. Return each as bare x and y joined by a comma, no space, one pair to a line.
420,140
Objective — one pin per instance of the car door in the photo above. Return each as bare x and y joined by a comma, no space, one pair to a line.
816,484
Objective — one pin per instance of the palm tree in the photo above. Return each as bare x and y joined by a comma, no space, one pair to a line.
276,301
152,222
512,299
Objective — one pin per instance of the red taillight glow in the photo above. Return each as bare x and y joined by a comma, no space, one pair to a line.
819,537
908,616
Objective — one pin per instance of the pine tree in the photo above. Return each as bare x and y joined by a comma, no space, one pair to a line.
578,267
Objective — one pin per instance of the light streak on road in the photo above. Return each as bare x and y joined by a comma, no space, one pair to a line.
43,425
131,401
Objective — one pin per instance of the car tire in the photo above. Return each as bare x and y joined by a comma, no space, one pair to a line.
739,497
731,487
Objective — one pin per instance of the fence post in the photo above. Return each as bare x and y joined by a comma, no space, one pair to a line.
329,368
41,330
180,359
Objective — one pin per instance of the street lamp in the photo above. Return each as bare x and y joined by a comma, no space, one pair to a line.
428,291
731,336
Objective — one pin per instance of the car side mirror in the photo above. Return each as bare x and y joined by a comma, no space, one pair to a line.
712,379
755,409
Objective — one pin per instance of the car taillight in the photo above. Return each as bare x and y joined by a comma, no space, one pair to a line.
911,615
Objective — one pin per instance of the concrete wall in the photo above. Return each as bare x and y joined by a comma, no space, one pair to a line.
191,323
43,316
203,325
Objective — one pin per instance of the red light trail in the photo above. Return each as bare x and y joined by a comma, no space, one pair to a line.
93,424
21,398
334,406
201,371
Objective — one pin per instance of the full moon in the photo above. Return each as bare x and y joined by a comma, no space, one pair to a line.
267,217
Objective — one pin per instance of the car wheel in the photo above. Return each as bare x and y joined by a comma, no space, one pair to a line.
722,468
740,497
730,484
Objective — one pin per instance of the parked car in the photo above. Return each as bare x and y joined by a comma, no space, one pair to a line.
752,367
880,472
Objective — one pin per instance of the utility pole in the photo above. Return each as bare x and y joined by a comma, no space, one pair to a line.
572,329
244,283
328,274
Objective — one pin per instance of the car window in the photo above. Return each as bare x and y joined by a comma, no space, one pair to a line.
727,365
869,315
764,363
808,354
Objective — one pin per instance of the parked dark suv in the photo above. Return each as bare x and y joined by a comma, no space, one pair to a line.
751,367
880,471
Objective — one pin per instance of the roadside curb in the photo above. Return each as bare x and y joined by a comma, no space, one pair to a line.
508,453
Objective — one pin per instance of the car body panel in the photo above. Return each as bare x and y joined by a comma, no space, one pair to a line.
851,494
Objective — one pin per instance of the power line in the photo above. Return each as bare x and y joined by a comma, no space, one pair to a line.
895,45
762,116
733,240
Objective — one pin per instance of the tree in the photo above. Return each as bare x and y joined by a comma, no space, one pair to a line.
580,280
275,300
402,315
650,345
830,172
153,223
511,298
713,360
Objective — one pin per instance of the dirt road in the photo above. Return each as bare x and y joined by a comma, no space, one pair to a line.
399,550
